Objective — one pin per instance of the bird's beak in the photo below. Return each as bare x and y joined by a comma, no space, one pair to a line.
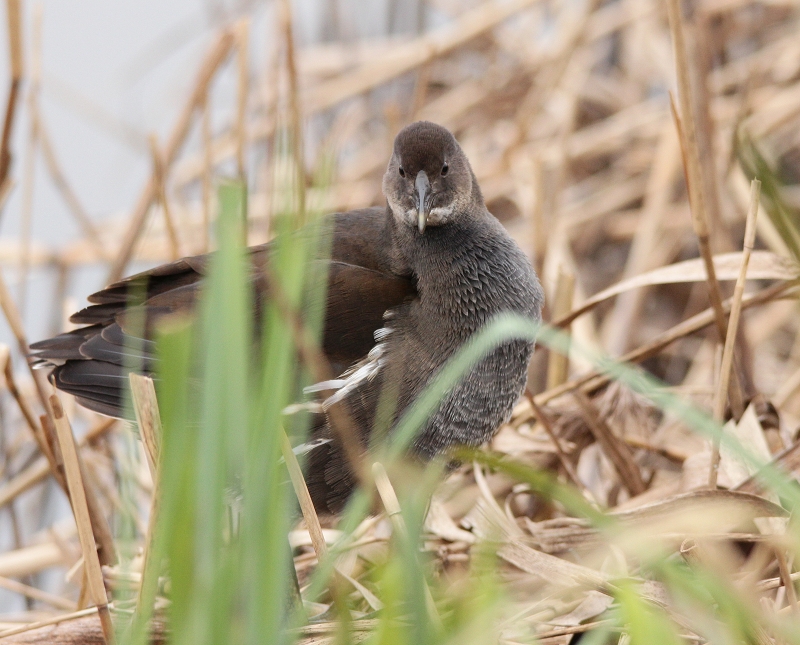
422,189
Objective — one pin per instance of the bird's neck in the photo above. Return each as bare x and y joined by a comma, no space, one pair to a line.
465,273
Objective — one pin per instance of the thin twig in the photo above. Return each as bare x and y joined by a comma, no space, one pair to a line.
694,169
63,187
295,112
733,325
160,184
37,594
15,63
614,448
595,378
243,79
205,127
542,418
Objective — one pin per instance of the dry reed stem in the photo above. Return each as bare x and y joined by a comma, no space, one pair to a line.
148,418
205,128
22,403
646,253
594,379
14,320
103,535
32,559
214,58
558,361
613,447
312,520
31,155
786,578
145,407
40,469
68,195
37,594
295,111
541,417
693,167
160,190
409,56
14,21
242,91
733,325
14,631
304,498
80,508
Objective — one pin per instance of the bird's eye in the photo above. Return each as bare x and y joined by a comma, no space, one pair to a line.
445,168
402,172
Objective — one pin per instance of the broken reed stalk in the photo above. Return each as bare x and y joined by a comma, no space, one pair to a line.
14,18
733,325
148,418
145,408
214,58
80,508
295,111
303,497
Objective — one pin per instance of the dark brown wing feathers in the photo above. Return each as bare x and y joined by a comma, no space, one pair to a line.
93,361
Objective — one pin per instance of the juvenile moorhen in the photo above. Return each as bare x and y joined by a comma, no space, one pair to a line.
409,284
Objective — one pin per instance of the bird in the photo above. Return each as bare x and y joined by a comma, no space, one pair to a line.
409,284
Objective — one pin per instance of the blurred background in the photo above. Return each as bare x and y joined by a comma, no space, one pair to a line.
127,113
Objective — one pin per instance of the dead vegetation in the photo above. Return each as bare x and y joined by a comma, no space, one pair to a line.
617,141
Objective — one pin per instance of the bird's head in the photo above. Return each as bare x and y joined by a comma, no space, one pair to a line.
429,181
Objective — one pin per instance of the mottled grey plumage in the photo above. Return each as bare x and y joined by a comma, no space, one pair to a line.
409,284
466,269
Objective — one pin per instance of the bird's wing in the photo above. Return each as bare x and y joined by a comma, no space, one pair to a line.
93,362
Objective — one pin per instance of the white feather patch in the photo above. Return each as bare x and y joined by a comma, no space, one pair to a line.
304,448
294,408
363,371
